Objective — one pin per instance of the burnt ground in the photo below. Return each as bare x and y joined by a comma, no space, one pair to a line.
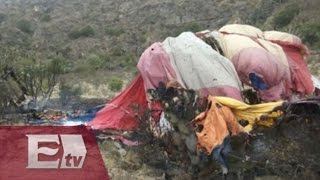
290,150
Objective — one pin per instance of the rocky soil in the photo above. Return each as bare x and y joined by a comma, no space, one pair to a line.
289,150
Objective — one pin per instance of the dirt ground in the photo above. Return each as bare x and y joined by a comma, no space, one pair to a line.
290,151
287,151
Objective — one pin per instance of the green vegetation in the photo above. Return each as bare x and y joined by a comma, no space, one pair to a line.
117,51
45,18
130,60
25,74
175,30
92,63
113,31
86,31
3,17
285,16
117,59
60,44
115,84
262,12
39,78
311,34
69,94
95,62
25,26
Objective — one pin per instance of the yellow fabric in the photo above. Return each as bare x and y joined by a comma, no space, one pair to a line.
251,113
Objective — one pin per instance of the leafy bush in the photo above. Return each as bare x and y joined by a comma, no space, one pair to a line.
27,75
3,17
311,34
25,26
262,12
285,16
115,84
114,31
81,67
107,61
95,62
69,94
45,18
36,78
117,51
87,31
192,26
130,60
9,94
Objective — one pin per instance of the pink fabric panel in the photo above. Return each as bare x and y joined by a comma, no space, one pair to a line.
267,67
301,77
227,91
297,45
154,66
274,93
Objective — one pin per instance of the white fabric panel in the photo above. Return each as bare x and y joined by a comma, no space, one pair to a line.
197,65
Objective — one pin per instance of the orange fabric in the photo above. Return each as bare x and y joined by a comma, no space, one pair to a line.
217,122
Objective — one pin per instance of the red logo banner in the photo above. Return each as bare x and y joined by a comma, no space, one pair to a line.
50,152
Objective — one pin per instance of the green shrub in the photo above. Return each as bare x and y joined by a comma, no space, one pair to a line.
151,19
95,62
69,94
310,33
115,84
285,16
192,26
45,18
87,31
106,61
57,65
81,67
130,60
114,31
262,12
3,17
117,51
38,77
25,26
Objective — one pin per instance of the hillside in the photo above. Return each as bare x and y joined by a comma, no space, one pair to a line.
108,37
81,53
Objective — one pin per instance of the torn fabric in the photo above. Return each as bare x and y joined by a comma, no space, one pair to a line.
216,123
251,113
